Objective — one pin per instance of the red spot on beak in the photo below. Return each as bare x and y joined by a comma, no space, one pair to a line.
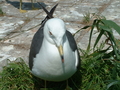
62,60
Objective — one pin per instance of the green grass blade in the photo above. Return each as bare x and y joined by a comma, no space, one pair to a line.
115,48
85,27
81,29
97,53
98,38
113,83
94,24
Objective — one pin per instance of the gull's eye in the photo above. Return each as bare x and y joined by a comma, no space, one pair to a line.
50,33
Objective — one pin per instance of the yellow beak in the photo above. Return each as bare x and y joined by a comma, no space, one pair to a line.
60,48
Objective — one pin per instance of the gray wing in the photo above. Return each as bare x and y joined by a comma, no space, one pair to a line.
35,45
73,46
71,40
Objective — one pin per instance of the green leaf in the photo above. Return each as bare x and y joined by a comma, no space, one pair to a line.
111,24
105,28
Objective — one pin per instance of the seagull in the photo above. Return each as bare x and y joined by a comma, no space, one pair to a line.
53,53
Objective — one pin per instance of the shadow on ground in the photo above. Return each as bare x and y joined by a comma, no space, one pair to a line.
25,5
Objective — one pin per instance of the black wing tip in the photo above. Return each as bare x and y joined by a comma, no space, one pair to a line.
49,14
56,5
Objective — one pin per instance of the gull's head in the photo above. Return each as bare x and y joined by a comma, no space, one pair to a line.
54,32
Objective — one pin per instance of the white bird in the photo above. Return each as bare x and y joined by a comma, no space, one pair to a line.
53,54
